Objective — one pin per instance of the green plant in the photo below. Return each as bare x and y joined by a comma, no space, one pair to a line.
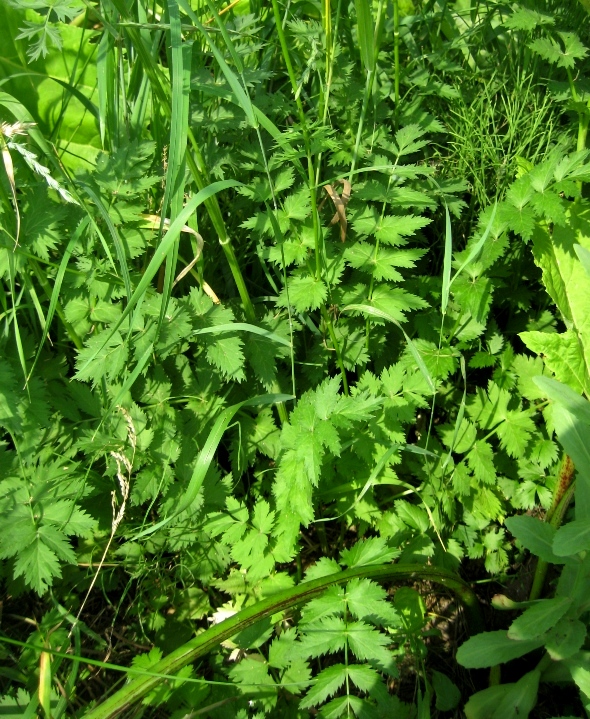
253,313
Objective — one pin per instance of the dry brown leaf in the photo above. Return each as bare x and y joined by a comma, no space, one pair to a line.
340,202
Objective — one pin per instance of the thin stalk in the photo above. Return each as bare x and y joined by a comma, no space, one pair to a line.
58,308
210,639
197,167
359,132
396,51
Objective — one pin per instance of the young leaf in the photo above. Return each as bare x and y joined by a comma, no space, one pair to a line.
448,694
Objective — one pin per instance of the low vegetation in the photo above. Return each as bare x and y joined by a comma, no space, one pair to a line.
294,359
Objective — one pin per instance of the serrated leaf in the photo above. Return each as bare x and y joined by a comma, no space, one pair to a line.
367,552
393,229
38,564
481,461
550,50
326,684
367,599
305,293
9,417
524,18
367,643
104,355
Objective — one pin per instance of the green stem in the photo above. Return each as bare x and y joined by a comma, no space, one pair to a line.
359,132
582,119
396,50
210,639
367,95
311,182
583,130
197,167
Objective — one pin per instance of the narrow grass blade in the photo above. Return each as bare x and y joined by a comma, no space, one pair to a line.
161,252
460,415
366,32
375,312
106,89
174,191
15,303
206,456
446,279
45,683
119,248
243,327
57,287
478,246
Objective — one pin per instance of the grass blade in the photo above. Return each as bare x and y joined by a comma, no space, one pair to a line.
244,327
57,287
478,246
366,32
446,280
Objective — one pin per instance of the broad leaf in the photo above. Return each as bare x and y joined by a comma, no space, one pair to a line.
491,648
507,701
539,618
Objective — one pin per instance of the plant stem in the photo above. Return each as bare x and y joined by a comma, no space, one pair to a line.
396,51
196,164
366,97
210,639
197,167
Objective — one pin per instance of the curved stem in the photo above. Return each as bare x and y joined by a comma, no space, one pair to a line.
210,639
